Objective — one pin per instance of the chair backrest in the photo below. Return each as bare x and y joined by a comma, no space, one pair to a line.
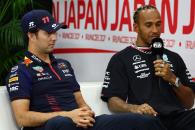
7,121
90,91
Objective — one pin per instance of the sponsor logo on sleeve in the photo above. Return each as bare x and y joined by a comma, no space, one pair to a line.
27,61
13,79
14,69
14,88
106,80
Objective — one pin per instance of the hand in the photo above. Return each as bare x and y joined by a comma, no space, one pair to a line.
145,109
162,69
82,117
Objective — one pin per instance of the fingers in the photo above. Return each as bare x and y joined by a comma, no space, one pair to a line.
86,118
86,122
146,109
87,109
86,113
161,68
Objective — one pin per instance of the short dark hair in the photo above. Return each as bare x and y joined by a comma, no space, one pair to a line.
145,7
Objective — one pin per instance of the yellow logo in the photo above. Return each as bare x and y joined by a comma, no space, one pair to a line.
27,61
13,79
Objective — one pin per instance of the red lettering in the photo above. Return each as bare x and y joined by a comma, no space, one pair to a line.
81,15
171,23
99,14
95,37
90,19
123,39
71,35
169,43
72,14
138,2
190,44
45,19
114,25
125,20
152,2
188,29
55,11
65,12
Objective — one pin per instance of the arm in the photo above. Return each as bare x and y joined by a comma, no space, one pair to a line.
88,114
116,104
27,118
184,93
79,99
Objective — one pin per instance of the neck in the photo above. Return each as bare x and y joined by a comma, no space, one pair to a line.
44,57
140,43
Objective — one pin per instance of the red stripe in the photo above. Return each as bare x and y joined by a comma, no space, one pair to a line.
81,50
193,79
54,72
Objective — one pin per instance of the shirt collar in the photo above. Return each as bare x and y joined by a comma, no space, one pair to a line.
29,58
146,50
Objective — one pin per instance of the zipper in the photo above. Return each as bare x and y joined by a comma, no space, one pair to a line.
54,72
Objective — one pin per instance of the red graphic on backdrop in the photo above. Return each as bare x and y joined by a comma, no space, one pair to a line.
95,14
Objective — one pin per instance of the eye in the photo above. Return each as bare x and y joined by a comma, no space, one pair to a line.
148,25
158,24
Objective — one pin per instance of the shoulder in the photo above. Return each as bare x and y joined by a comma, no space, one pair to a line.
62,63
18,67
125,54
172,54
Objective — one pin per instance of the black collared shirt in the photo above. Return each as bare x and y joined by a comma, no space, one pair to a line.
130,76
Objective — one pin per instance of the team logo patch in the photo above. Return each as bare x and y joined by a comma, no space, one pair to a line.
136,58
62,66
13,79
165,58
14,69
38,68
27,61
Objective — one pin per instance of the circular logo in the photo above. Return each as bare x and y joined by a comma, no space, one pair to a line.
136,58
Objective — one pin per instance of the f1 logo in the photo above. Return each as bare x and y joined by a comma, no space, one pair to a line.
45,19
31,24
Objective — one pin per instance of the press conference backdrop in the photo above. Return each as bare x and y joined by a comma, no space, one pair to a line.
100,28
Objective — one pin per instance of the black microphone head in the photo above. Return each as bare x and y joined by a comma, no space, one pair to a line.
157,47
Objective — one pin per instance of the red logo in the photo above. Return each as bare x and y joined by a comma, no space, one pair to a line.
45,19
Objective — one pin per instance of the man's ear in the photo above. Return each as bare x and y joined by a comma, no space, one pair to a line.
135,27
31,36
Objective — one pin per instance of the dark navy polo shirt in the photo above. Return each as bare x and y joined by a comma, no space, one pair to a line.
49,87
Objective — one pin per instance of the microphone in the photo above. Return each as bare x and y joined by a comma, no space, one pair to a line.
157,47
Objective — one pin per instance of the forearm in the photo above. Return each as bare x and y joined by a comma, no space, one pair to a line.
79,99
32,119
184,93
116,104
186,96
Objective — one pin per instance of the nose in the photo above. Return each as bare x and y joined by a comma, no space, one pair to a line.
155,29
53,36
